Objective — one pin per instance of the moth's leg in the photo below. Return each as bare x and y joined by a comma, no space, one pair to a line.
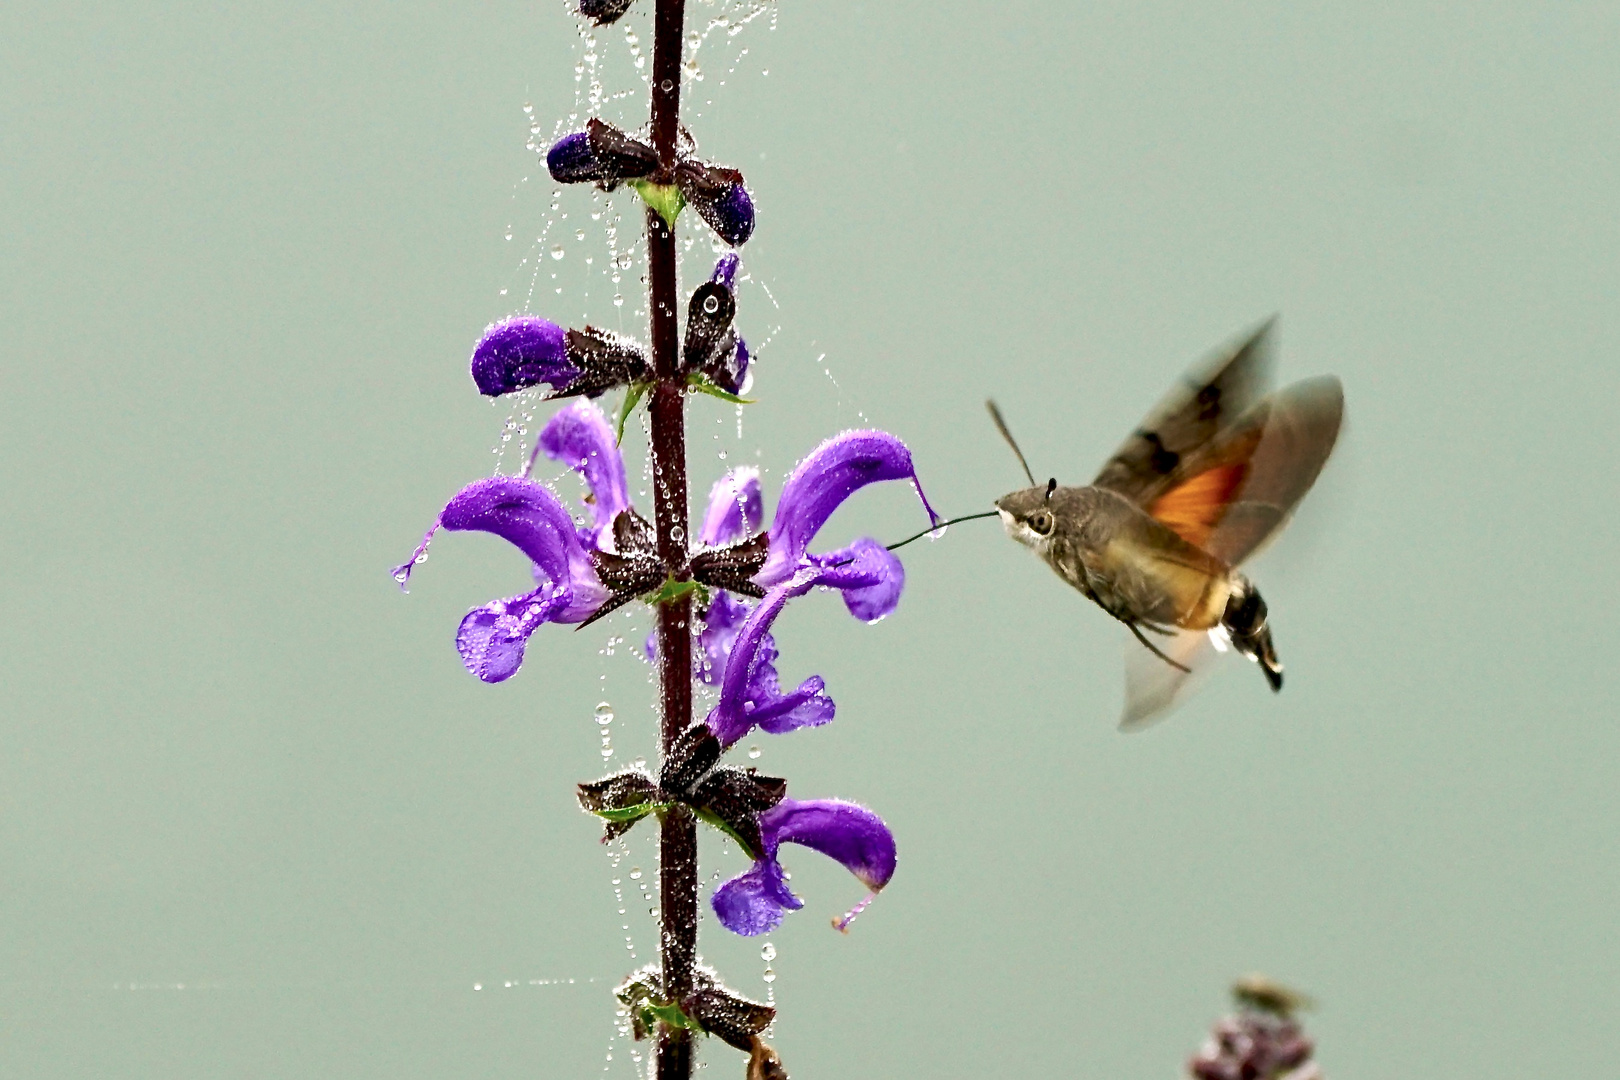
1154,649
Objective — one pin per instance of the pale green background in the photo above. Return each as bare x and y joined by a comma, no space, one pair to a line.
244,252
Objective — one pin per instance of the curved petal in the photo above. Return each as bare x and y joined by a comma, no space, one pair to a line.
808,706
730,718
844,831
754,901
521,352
870,576
725,270
833,472
491,638
736,508
526,514
581,438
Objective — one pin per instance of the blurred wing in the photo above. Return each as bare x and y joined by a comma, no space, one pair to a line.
1212,397
1240,490
1153,687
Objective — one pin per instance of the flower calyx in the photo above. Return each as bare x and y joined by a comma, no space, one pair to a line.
602,155
621,800
712,1008
633,570
603,12
732,567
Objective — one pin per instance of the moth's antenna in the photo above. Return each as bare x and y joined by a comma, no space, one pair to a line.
1001,426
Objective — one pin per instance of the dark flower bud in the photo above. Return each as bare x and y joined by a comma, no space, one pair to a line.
708,321
718,195
728,1015
1262,1041
605,360
601,154
603,12
521,352
692,755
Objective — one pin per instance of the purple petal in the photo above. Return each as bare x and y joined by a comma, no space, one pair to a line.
754,901
808,706
526,514
736,508
719,634
730,719
725,271
492,637
844,831
869,575
520,352
581,438
571,160
833,472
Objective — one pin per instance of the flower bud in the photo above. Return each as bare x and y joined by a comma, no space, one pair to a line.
601,154
603,12
521,352
718,195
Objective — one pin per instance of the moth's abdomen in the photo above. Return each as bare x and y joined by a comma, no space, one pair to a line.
1245,621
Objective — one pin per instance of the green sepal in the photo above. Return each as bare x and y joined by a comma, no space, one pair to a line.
632,813
664,198
702,384
670,1015
632,397
674,590
710,818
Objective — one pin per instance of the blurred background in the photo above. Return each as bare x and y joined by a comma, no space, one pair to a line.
257,821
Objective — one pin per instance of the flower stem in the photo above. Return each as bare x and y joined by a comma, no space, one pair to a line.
677,851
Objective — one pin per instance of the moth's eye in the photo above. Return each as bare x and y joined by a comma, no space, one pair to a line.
1040,523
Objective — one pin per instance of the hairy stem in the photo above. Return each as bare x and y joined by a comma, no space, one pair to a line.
677,852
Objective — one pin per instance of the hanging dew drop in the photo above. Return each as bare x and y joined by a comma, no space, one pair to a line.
635,873
604,714
767,953
770,975
754,752
557,251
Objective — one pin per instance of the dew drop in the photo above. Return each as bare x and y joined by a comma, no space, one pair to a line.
768,952
677,533
635,873
604,714
666,86
528,108
711,304
557,251
770,975
754,752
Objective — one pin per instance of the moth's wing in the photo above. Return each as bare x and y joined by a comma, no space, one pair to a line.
1240,489
1153,687
1210,398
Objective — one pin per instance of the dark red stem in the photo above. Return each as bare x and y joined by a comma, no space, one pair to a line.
677,852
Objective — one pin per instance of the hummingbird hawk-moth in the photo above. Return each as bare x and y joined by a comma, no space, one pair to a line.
1155,540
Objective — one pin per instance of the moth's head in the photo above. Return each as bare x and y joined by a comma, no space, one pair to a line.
1027,515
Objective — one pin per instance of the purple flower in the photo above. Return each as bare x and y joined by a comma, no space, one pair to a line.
754,901
581,438
491,638
833,472
521,352
736,508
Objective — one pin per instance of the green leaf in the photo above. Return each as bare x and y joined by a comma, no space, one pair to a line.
664,198
632,397
702,384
